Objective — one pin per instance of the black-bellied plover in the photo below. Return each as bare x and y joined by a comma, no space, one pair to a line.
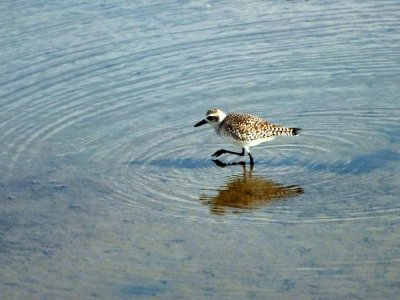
243,130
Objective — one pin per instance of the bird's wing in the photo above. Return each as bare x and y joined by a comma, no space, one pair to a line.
249,127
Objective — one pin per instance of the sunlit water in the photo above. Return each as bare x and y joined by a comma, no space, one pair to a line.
108,191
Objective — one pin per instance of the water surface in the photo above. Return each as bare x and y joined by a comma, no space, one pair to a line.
109,192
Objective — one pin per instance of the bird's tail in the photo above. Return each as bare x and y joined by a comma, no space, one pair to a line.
295,131
278,130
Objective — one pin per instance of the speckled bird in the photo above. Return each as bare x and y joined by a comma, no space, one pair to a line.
243,130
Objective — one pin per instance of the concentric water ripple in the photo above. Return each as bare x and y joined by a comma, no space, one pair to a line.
162,172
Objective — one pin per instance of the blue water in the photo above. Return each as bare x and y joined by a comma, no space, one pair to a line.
107,191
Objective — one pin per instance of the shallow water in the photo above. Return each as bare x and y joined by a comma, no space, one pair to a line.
109,192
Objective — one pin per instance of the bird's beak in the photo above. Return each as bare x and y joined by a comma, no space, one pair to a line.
202,122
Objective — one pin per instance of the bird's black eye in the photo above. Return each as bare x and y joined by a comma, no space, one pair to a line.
212,118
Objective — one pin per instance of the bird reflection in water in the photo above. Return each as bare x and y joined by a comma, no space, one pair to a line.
246,191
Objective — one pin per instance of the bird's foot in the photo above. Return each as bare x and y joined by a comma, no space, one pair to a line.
221,164
219,152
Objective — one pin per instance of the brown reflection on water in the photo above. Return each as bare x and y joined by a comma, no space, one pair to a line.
246,191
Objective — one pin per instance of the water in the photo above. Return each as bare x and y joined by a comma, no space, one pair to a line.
109,192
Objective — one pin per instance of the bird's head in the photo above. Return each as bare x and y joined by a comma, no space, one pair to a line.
213,117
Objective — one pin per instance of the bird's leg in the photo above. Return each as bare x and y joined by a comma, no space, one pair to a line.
222,151
251,160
